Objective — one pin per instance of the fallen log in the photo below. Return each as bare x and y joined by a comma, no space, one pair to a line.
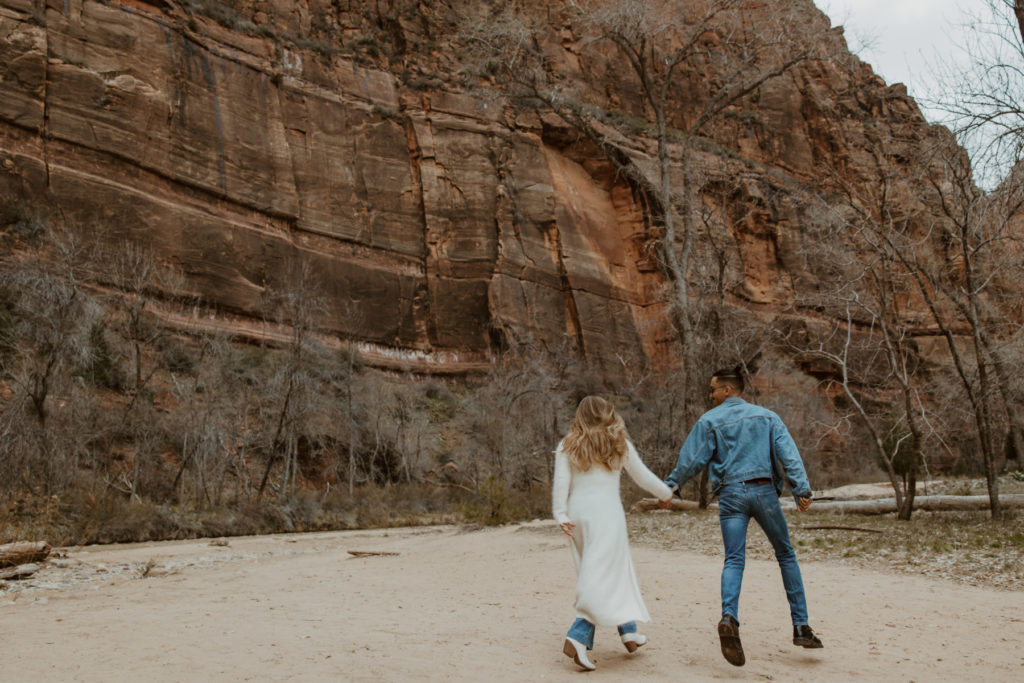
884,506
23,552
22,571
648,504
878,506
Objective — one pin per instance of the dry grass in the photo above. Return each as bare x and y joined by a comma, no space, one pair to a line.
965,547
79,518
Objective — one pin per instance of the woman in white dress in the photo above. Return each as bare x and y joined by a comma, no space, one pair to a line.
586,504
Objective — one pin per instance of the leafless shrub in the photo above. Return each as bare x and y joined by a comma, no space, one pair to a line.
49,315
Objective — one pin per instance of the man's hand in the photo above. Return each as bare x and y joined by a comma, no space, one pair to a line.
803,503
567,528
665,504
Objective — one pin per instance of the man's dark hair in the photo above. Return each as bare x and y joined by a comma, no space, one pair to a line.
733,378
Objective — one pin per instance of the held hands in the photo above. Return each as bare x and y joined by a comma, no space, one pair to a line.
567,528
803,503
667,503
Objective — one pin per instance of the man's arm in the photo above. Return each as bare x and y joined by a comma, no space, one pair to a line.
785,450
693,456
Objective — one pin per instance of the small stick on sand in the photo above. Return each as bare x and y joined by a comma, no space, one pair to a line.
368,553
844,528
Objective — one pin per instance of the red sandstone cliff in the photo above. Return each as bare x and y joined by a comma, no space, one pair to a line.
235,137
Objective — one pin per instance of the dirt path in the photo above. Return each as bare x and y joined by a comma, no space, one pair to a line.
467,606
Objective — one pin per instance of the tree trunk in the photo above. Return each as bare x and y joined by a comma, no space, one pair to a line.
1018,11
907,508
704,490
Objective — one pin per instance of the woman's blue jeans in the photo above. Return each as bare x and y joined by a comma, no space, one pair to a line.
737,503
582,631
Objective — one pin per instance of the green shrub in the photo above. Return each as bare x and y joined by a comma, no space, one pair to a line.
493,504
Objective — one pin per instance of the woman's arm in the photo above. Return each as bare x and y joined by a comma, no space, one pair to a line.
644,478
560,487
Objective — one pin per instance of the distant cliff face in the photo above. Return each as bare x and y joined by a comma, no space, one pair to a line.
236,138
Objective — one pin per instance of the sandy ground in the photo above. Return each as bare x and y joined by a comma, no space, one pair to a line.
467,606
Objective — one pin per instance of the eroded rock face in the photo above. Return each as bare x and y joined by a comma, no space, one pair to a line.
441,224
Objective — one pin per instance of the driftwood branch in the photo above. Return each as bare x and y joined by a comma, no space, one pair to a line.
22,571
368,553
23,552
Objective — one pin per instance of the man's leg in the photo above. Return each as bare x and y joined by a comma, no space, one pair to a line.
769,515
733,518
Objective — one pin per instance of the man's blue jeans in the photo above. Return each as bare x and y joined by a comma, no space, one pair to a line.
737,503
582,631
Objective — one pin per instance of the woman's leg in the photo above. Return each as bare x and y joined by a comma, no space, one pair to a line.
580,639
630,638
582,631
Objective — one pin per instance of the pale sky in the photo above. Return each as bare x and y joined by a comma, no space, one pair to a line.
900,38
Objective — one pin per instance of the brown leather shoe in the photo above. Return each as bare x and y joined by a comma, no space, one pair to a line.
804,637
729,634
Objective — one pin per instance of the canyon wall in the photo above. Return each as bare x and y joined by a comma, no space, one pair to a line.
442,224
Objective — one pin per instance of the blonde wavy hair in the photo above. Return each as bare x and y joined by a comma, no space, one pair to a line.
597,436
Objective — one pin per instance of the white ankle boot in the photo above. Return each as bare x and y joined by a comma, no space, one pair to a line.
633,640
578,652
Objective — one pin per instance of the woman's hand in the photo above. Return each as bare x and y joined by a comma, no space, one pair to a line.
567,528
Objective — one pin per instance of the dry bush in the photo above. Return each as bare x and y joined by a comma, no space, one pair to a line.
511,420
49,315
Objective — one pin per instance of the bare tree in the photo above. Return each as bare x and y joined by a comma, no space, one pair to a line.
512,415
138,280
951,249
983,95
866,282
291,392
984,99
882,365
212,420
51,315
983,256
355,319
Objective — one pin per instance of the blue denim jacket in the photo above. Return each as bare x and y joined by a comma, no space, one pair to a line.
739,439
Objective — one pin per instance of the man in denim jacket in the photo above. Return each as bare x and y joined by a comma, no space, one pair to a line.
744,445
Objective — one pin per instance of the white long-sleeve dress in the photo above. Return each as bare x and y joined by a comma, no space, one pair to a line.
607,593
